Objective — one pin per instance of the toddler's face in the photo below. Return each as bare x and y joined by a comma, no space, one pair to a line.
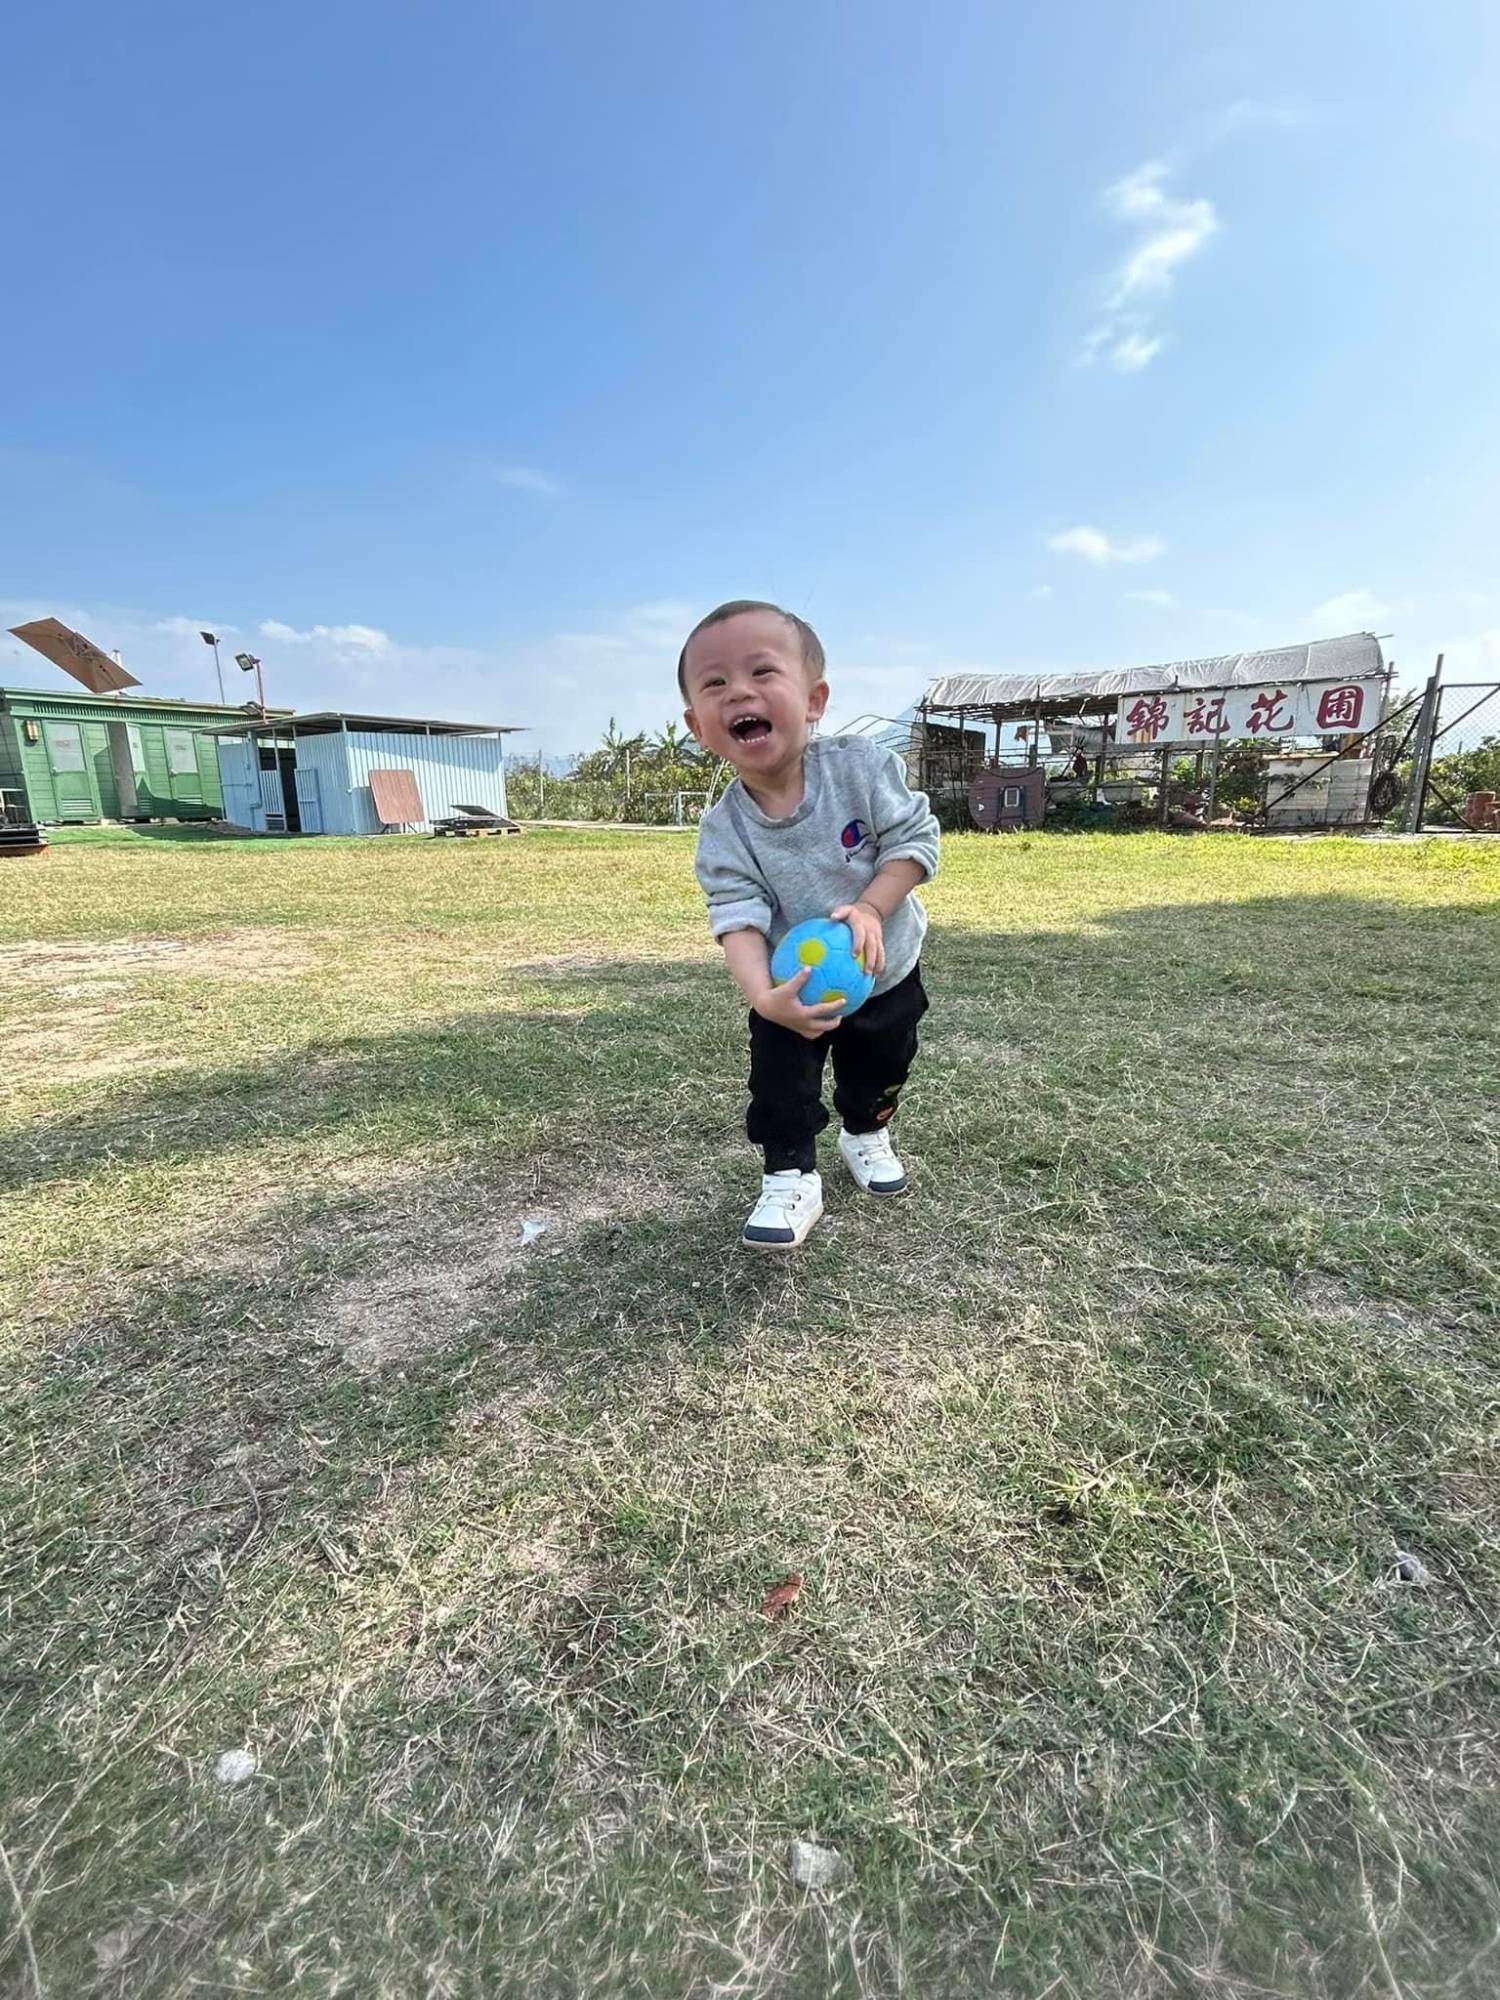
750,699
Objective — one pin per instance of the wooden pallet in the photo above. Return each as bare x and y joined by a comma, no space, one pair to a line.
472,819
21,837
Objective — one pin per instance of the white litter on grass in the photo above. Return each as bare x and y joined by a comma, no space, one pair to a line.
811,1866
114,1948
531,1229
235,1766
1411,1569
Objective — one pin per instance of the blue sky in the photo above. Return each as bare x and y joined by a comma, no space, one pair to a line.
454,358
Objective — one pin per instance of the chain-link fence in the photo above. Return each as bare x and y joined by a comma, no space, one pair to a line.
644,800
1463,770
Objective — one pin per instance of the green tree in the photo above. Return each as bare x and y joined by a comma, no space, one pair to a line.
672,745
1465,771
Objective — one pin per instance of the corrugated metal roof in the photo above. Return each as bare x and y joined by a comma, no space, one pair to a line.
1355,657
321,720
106,705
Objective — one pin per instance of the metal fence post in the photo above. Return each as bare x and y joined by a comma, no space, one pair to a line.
1421,762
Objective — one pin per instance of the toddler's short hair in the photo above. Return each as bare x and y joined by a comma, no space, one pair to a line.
812,646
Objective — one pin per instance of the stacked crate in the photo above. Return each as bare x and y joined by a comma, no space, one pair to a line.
1300,793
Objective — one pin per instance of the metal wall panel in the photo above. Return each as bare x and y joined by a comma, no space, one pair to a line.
272,802
449,770
309,805
152,790
323,756
238,781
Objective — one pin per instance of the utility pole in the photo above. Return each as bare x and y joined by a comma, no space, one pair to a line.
1421,760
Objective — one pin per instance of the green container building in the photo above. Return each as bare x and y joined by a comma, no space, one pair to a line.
75,757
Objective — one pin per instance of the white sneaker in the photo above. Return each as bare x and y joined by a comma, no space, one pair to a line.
869,1157
790,1203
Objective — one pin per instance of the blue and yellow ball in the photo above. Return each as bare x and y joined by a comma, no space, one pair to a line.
836,971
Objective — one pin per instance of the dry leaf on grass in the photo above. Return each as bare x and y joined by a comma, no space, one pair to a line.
782,1597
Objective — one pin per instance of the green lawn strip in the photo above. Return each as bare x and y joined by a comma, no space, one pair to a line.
1096,1456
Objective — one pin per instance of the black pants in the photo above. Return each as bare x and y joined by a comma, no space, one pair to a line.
872,1053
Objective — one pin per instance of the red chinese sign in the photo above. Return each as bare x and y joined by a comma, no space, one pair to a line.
1146,719
1342,707
1218,715
1270,714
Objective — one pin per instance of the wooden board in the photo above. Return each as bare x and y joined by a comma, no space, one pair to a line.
397,802
76,655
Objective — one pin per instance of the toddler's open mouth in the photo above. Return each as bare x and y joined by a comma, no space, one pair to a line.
750,729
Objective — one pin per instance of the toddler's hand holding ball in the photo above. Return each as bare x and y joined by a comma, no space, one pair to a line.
820,957
867,928
783,1005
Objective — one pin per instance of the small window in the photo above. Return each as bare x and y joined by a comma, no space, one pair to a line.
65,746
1010,798
182,753
137,750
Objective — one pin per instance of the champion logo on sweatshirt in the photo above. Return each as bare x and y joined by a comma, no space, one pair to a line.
854,836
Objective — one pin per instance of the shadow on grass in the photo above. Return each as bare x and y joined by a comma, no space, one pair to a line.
496,1077
1093,1504
187,833
627,1031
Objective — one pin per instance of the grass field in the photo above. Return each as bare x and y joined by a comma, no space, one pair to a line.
1097,1454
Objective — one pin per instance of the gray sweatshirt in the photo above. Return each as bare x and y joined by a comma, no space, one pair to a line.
857,813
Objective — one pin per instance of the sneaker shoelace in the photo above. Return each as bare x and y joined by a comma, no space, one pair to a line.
874,1148
780,1192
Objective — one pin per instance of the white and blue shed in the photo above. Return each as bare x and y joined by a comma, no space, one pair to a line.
311,773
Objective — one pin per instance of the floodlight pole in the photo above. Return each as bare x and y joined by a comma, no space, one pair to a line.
212,639
245,662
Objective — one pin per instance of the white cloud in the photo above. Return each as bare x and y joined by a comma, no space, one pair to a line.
563,687
1249,114
1160,598
1174,232
195,627
526,479
1096,547
860,692
1169,232
1354,611
1477,655
1042,590
644,630
560,686
1136,350
361,638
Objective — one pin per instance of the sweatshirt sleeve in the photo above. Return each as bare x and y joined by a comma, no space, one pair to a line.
738,897
906,827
